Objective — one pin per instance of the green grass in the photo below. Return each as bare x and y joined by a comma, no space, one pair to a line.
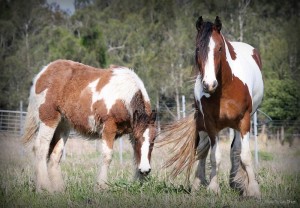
152,193
279,184
263,155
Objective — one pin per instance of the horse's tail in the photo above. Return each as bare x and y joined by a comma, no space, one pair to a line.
31,121
184,137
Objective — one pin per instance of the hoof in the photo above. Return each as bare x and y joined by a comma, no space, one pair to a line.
197,184
42,188
252,191
44,185
215,188
101,186
59,189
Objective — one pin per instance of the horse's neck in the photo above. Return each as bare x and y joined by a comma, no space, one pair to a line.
226,61
226,75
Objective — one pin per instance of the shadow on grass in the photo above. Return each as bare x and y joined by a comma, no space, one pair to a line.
150,184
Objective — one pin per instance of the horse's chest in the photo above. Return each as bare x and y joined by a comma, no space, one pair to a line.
222,112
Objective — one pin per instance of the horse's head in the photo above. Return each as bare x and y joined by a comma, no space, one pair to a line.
143,141
209,50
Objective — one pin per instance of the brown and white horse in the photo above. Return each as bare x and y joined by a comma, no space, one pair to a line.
111,102
228,90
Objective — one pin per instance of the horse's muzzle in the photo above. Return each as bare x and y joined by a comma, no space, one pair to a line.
210,88
144,173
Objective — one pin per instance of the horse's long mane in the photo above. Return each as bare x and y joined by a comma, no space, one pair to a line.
202,41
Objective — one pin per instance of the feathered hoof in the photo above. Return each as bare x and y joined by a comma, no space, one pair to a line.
215,188
41,188
236,186
197,184
59,188
252,191
101,186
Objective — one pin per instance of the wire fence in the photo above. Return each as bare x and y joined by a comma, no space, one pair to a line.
12,122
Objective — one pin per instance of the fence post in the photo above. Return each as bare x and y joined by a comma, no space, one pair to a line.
255,137
21,118
282,135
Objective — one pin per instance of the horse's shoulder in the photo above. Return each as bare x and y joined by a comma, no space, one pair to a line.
245,52
242,47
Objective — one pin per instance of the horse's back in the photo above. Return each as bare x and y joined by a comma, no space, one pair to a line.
86,95
247,67
67,79
124,83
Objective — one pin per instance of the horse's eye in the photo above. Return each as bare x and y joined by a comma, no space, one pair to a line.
220,49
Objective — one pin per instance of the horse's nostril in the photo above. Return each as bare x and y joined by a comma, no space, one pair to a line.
215,84
205,85
144,172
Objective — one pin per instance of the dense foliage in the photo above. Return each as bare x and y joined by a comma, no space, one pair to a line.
155,38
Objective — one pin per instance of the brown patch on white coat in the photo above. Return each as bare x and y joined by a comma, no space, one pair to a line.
94,102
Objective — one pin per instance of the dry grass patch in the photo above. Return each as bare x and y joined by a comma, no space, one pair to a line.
278,175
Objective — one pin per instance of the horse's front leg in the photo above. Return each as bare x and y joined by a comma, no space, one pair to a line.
202,151
108,137
136,156
215,159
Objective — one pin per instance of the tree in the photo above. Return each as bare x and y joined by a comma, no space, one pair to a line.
281,102
155,38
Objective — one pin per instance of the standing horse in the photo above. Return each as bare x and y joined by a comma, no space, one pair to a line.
94,102
228,90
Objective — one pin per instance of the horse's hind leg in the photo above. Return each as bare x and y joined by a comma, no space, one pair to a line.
202,150
41,149
253,188
55,153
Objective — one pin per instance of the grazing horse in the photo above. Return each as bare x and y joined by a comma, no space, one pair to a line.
228,90
110,103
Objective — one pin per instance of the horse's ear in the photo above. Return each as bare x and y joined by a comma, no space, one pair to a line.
199,23
218,23
153,117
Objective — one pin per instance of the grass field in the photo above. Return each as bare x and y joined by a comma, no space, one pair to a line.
278,176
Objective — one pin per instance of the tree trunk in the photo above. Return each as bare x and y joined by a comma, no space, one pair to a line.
177,103
157,112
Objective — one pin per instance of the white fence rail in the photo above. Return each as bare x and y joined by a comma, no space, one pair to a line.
12,121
